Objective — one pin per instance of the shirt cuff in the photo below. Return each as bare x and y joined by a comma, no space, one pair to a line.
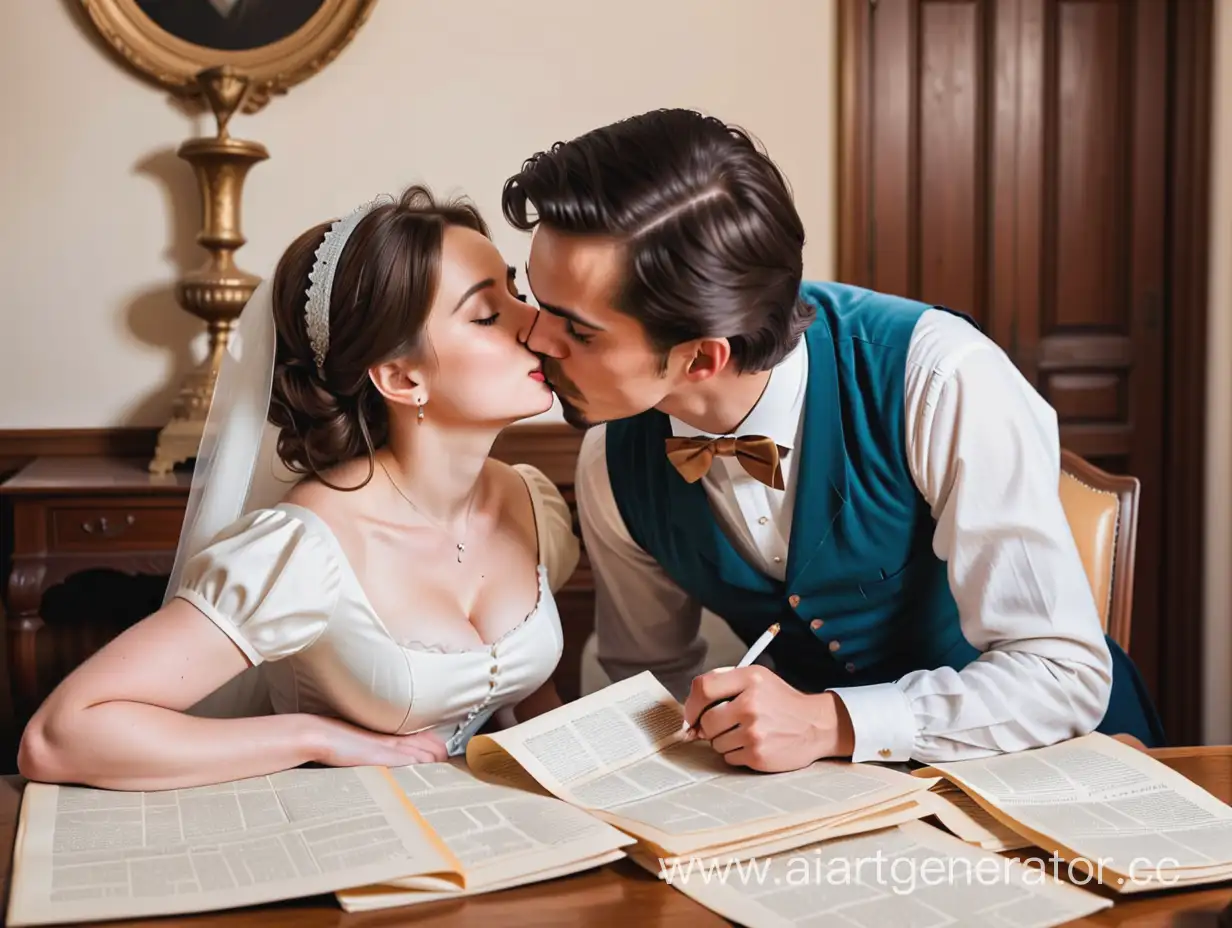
881,717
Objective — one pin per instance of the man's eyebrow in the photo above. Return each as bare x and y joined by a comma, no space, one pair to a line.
569,314
472,290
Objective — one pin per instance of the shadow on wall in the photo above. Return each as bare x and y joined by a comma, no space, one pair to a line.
152,314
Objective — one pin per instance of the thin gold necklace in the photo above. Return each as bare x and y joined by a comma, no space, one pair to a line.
461,545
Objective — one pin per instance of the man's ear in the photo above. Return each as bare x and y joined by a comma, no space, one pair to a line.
707,357
399,381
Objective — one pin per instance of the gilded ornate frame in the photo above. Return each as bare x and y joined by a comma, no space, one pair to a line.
173,63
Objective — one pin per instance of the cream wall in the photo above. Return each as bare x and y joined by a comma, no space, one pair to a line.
1218,608
99,213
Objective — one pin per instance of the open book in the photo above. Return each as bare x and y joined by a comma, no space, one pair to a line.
1116,815
572,789
618,758
620,754
504,834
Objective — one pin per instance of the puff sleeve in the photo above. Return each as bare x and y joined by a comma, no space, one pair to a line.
559,548
269,582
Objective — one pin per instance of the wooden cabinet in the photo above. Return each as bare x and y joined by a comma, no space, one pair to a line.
1041,165
70,516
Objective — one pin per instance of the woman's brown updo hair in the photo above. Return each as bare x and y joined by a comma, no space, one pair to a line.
383,289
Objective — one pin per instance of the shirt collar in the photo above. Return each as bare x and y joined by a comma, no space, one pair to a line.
777,412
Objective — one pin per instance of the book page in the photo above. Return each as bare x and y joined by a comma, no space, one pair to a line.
913,874
91,854
970,821
1123,815
586,739
499,832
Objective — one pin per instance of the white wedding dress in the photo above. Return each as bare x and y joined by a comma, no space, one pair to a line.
278,584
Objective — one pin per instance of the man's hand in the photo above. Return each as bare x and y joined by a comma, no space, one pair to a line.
767,725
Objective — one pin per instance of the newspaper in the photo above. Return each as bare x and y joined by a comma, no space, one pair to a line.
502,835
621,754
913,874
1118,815
90,854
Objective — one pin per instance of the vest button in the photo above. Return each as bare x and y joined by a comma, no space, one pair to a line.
816,624
793,600
851,668
834,645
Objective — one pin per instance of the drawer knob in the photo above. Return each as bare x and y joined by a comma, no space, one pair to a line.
104,527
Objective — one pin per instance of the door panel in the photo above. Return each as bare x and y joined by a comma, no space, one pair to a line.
1011,159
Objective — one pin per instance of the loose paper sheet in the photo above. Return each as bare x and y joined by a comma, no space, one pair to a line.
910,875
89,854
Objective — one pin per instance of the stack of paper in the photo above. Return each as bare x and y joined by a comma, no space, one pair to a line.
1116,815
968,820
620,754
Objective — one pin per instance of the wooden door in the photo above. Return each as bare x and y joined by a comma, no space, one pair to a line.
1017,159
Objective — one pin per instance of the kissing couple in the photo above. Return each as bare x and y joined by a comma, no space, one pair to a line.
868,471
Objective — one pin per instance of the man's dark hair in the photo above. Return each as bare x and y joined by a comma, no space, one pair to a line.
712,239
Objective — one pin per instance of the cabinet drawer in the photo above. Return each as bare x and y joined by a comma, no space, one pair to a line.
115,526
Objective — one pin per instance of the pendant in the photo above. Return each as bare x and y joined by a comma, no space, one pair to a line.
461,551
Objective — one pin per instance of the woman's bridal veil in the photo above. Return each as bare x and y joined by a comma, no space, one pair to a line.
236,468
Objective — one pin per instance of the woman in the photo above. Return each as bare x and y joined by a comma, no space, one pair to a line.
401,593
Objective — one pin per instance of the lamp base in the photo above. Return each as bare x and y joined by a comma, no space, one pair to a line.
180,438
178,442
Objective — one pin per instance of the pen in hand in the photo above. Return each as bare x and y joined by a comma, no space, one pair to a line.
760,645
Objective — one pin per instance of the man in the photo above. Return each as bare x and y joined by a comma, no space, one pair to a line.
869,471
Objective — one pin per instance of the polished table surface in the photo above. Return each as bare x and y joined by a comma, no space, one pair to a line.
623,894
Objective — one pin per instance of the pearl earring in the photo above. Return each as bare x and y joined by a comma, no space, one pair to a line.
419,416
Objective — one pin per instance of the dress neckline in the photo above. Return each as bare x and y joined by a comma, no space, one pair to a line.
310,518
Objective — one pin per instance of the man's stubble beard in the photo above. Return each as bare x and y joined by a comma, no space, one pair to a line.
563,387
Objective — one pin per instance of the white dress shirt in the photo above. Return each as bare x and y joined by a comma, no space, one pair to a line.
984,452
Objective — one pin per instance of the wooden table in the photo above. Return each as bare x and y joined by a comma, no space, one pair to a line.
623,894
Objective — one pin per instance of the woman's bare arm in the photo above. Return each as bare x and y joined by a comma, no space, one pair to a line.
117,720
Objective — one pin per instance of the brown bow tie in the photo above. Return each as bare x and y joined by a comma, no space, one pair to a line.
757,454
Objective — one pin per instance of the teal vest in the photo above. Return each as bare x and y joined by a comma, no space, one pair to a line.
860,555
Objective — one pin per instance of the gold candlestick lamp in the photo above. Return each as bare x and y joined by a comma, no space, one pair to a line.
217,291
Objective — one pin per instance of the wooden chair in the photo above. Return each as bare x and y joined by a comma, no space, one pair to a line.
1102,510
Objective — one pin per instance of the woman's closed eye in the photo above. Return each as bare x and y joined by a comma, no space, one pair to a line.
489,310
